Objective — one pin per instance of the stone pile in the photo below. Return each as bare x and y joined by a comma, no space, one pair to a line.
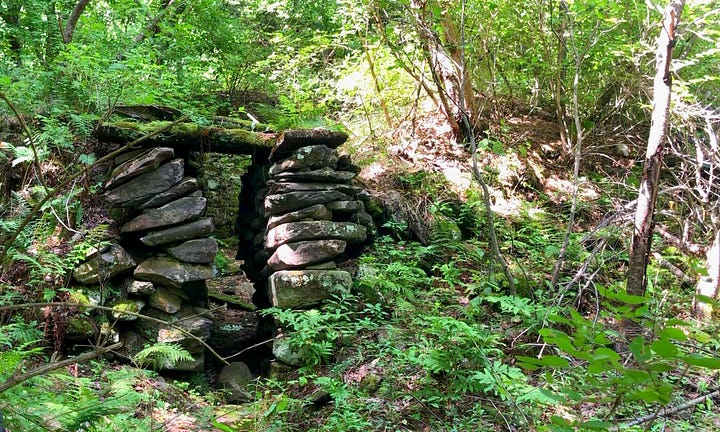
308,216
169,238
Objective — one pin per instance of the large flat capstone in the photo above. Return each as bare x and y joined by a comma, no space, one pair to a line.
300,254
177,211
171,272
153,182
290,289
315,230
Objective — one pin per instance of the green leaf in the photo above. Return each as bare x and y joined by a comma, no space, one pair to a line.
596,425
702,361
664,348
672,333
639,349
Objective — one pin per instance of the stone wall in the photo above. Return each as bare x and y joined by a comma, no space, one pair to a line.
298,215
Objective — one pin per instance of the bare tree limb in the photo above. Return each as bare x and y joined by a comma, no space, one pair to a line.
666,412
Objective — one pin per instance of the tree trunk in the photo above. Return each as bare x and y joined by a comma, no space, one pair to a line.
647,195
708,285
72,21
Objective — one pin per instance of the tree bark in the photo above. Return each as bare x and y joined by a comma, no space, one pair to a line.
67,33
647,195
708,284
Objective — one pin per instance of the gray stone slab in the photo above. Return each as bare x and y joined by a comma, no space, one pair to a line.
153,182
300,254
171,272
140,164
315,212
307,158
315,230
198,251
180,210
198,228
291,201
297,289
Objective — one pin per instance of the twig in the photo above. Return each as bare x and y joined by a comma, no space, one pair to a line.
666,412
16,379
31,141
109,309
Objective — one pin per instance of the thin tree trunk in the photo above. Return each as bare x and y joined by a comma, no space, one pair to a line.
647,195
708,285
67,33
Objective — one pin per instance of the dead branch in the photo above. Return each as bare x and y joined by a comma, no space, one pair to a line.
16,378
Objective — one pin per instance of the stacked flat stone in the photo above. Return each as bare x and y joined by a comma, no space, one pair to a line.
175,258
311,214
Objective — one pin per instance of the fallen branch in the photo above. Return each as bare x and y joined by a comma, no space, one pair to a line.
109,309
16,378
666,412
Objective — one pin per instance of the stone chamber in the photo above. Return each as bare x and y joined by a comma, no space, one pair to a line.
207,239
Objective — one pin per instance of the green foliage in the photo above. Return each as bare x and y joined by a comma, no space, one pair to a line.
161,356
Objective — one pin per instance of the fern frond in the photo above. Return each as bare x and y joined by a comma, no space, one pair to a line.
161,355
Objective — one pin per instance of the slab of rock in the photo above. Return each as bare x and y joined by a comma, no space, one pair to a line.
315,230
200,227
285,353
175,212
323,175
197,251
294,255
330,265
293,139
186,186
234,331
103,265
294,289
140,164
314,212
307,158
291,201
200,327
126,305
151,183
136,287
236,378
165,300
345,207
171,272
233,290
279,187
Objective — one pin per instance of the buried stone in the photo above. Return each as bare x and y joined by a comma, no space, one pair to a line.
289,289
293,255
175,212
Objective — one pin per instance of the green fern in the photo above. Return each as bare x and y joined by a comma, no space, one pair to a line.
161,355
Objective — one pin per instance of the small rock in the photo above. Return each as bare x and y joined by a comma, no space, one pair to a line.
291,201
236,377
200,227
151,183
103,265
290,289
198,251
136,287
173,273
307,158
315,212
315,230
293,255
127,305
142,163
165,300
285,353
172,213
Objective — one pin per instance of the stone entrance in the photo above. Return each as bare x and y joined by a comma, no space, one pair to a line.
296,215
